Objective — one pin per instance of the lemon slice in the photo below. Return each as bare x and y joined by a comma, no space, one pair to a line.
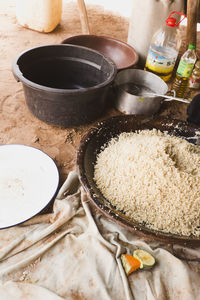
146,259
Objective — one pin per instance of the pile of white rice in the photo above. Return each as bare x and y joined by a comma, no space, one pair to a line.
154,178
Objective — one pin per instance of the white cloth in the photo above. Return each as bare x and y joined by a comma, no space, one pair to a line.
72,254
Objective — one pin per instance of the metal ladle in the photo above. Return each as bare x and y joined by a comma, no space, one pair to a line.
135,90
170,98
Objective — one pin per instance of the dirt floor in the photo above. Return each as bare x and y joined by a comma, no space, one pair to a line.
17,124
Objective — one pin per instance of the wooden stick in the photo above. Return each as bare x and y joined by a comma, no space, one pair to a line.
192,15
83,17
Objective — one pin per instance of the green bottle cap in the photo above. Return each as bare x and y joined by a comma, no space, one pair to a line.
192,47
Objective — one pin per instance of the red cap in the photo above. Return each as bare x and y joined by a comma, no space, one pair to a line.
171,22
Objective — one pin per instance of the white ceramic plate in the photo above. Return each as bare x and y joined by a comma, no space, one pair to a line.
28,181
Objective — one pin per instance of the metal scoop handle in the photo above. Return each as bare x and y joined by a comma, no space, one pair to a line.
170,98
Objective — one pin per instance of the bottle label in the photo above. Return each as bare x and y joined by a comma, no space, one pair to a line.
185,69
159,63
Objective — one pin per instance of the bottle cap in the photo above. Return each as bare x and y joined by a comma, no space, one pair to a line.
192,47
171,22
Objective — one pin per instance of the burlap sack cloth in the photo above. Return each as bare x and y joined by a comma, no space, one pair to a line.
71,254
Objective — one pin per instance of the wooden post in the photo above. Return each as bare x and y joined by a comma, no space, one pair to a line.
83,17
192,15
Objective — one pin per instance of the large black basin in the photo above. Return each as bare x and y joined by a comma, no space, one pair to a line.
65,85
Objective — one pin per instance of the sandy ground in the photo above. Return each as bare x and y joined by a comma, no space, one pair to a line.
17,124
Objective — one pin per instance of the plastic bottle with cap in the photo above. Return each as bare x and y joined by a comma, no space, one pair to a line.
184,71
164,47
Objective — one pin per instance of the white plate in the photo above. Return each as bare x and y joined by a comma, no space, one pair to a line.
28,181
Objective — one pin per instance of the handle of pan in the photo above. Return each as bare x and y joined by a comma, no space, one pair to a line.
171,98
167,98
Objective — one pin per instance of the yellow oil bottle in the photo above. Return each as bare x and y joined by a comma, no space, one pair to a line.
184,70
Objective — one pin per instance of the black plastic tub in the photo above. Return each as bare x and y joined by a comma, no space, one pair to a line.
65,85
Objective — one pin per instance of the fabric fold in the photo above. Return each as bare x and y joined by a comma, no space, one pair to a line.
75,253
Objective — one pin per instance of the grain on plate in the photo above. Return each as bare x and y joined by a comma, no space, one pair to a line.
154,178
